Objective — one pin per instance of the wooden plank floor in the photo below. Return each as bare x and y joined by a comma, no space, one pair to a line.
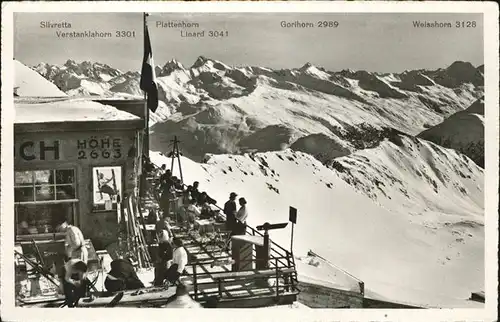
207,286
199,249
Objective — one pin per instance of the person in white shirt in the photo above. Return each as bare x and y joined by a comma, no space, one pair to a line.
74,241
182,300
193,211
241,217
179,262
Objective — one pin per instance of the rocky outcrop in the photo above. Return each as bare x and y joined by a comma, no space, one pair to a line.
462,131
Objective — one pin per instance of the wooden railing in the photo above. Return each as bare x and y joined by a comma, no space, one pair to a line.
283,276
281,261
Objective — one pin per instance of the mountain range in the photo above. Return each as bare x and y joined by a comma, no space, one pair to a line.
216,108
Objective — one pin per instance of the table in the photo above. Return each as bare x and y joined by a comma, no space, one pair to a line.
208,225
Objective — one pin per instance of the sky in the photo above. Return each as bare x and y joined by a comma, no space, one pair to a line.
382,42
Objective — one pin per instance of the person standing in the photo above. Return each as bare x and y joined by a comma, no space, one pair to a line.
230,211
167,195
74,242
241,217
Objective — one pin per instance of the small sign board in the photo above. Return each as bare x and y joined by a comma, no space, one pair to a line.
293,215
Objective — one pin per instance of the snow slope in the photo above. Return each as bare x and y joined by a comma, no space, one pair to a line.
416,250
27,82
462,131
74,110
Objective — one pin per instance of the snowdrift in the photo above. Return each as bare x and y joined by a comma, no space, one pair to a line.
28,83
415,250
67,110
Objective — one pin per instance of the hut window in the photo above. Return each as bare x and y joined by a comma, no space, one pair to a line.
42,194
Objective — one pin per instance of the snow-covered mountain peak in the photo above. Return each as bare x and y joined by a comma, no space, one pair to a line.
70,63
169,67
203,63
314,71
465,72
200,61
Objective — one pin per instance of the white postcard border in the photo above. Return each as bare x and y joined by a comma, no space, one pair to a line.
9,312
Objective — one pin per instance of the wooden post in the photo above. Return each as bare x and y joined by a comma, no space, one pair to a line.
277,281
195,282
179,158
362,288
146,112
267,250
288,278
173,156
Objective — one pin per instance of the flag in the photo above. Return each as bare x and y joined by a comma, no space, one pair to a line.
148,77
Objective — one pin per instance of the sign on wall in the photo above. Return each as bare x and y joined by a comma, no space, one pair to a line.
99,148
73,147
107,187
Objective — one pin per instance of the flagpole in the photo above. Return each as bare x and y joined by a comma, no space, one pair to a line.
146,113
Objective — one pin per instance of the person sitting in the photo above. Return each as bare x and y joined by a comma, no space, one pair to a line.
194,190
211,201
182,299
204,198
179,187
165,251
152,217
166,177
122,276
179,262
147,164
241,218
73,281
183,205
162,170
174,196
186,198
193,211
206,212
